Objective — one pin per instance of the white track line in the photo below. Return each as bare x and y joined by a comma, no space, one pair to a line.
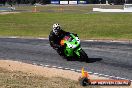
79,71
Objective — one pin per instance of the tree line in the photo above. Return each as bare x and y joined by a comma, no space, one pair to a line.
13,2
110,1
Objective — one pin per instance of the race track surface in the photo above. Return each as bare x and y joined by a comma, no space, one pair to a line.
110,58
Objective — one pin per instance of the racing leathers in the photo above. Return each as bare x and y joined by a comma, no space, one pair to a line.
55,41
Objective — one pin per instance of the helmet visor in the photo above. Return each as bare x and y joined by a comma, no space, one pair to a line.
57,30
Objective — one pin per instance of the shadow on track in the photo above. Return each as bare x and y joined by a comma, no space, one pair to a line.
89,60
92,60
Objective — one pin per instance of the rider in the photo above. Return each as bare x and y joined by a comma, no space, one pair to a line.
55,37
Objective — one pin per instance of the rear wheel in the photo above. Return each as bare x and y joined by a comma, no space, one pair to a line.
83,55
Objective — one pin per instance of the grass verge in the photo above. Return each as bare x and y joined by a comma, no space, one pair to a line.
86,24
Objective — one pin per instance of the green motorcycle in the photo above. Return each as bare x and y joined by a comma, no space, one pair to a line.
72,47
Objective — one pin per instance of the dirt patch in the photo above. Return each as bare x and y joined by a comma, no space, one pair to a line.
47,72
39,70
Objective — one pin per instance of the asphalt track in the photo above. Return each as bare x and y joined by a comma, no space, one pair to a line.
110,58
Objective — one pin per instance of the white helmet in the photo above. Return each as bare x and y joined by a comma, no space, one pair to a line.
56,29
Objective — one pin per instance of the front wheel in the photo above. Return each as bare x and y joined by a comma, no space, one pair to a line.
83,55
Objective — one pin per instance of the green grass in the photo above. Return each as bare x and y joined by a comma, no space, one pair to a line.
17,79
87,26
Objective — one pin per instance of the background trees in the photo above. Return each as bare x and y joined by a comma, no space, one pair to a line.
11,2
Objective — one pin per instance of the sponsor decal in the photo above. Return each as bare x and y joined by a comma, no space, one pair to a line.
54,2
63,2
82,2
72,2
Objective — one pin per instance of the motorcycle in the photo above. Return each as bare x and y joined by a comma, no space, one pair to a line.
72,47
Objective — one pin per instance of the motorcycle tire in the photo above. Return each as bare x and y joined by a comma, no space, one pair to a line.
83,55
